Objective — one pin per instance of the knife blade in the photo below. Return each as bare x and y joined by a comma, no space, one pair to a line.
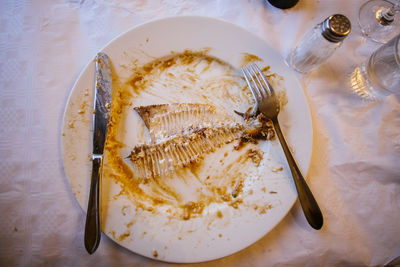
101,118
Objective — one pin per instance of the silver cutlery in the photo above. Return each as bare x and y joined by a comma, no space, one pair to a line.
268,104
101,118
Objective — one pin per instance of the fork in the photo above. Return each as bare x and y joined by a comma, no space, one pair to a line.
268,104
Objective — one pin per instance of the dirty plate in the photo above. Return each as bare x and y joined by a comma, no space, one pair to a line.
189,60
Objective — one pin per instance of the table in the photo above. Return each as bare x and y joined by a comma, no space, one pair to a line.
354,171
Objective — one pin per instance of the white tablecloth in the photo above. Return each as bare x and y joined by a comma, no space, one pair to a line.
355,166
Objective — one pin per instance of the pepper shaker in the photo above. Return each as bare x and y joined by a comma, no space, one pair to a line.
320,43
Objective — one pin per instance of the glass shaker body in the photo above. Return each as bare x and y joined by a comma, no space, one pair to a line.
320,43
313,50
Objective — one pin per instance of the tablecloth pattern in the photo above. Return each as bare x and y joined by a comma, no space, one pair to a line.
355,166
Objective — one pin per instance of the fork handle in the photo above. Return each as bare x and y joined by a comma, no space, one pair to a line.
308,203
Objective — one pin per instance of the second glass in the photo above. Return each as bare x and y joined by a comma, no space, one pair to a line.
380,75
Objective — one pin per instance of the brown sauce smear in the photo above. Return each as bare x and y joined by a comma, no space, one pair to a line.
118,169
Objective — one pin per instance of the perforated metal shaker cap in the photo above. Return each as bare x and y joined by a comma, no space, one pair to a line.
335,28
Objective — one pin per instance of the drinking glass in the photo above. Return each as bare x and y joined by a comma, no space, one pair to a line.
380,75
379,20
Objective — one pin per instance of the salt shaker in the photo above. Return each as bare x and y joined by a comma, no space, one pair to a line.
320,43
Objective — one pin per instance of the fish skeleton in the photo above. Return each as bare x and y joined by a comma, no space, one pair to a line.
167,120
183,133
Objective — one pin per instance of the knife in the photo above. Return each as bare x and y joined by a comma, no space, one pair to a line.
101,118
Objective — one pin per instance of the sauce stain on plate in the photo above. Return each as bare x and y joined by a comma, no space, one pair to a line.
190,156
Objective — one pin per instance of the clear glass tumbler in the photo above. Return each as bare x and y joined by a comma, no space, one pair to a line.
380,75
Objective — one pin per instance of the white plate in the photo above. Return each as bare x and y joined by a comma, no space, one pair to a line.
208,236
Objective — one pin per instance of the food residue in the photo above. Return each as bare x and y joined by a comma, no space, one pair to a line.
178,152
256,156
238,188
235,204
278,169
123,236
113,235
264,189
249,58
123,210
219,214
192,208
264,208
82,110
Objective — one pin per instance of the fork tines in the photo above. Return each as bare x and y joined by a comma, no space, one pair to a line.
258,84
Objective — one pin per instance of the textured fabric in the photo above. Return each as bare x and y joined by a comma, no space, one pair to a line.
354,172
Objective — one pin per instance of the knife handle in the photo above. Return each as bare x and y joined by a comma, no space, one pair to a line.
92,226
